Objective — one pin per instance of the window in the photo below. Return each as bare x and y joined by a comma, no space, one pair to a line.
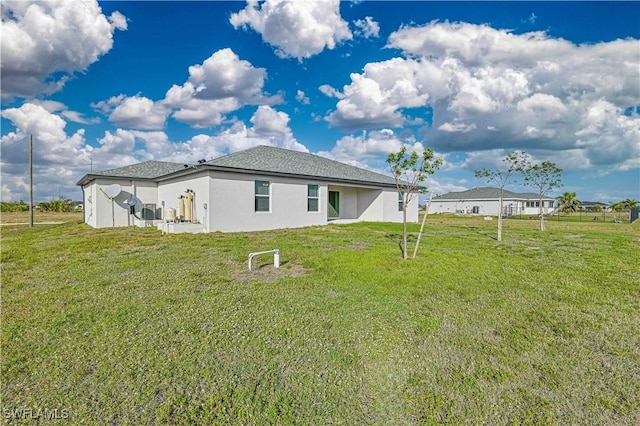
400,201
313,194
262,195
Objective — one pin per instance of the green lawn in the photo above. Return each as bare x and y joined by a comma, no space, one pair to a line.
126,326
595,217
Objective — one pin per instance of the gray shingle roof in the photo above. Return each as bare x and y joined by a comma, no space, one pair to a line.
487,193
260,159
592,203
283,161
144,170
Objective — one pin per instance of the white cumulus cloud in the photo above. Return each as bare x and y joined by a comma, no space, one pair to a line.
136,112
123,146
375,97
46,42
64,111
369,150
297,29
330,91
367,27
221,84
57,156
493,89
301,97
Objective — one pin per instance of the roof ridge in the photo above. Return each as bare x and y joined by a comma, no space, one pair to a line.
232,154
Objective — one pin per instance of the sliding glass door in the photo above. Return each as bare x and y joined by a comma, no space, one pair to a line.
334,204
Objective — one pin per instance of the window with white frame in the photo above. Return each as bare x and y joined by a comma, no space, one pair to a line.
262,193
313,198
400,201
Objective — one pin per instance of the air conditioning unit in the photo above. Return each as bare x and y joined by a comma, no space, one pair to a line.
148,212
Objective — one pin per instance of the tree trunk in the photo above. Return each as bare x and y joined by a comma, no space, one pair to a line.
541,210
500,214
405,255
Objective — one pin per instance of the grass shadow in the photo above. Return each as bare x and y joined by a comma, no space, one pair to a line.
397,238
264,265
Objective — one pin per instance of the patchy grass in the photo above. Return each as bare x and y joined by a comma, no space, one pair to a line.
125,326
38,217
596,218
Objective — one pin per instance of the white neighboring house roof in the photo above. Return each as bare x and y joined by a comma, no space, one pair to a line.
264,160
489,193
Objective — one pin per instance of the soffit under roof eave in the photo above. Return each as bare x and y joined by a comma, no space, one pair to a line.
91,177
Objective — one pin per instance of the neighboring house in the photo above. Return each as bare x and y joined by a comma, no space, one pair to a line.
590,206
486,201
257,189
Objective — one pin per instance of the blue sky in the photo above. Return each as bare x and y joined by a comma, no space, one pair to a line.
108,84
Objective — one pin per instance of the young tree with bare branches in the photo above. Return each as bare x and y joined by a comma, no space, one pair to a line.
409,170
545,177
515,162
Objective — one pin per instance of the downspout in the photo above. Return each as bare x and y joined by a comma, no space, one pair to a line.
205,219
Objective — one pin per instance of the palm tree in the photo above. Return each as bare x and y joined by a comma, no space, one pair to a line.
629,203
568,202
616,207
622,206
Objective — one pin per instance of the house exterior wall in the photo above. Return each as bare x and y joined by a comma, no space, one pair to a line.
230,202
97,206
370,205
391,209
88,204
348,201
484,207
200,184
531,207
489,207
107,215
232,206
145,193
373,205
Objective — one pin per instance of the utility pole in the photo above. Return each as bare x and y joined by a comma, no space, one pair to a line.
31,181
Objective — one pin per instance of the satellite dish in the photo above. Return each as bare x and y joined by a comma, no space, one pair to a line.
132,202
112,191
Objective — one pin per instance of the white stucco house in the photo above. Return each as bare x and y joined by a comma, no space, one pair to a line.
486,201
260,188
